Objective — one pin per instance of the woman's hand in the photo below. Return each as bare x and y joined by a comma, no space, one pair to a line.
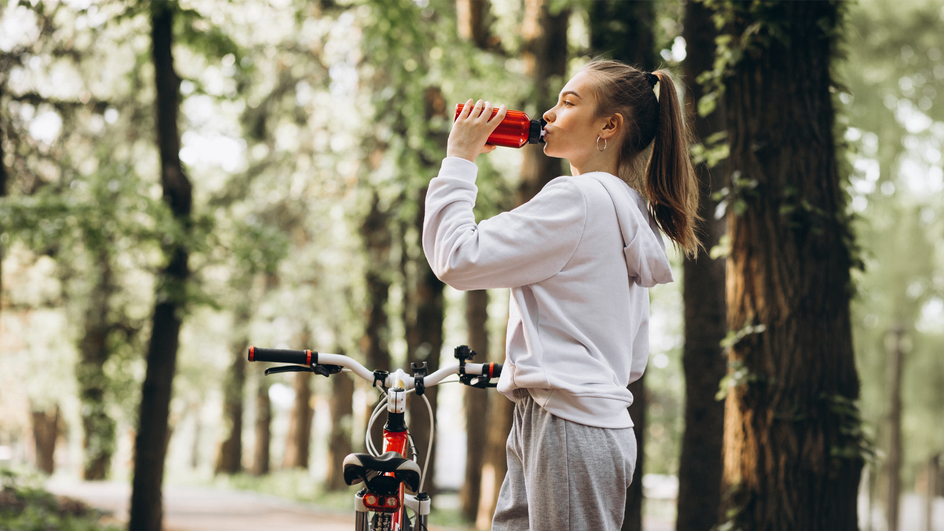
471,130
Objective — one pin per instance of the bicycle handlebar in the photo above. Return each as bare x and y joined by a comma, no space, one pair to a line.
310,358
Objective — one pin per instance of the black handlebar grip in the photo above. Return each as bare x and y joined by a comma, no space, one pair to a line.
279,355
492,370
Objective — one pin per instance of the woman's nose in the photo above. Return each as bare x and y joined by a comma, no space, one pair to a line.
549,116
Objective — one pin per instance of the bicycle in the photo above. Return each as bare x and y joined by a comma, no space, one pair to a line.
393,482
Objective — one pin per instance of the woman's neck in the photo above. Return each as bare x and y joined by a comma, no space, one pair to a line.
604,164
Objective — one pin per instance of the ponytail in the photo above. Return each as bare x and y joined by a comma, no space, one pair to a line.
670,183
670,178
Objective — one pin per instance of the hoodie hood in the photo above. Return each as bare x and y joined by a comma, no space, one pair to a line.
643,248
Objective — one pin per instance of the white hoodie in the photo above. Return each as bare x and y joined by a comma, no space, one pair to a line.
578,263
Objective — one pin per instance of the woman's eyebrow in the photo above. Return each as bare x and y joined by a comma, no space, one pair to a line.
569,92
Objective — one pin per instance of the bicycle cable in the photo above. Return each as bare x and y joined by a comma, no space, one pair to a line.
432,430
429,448
381,404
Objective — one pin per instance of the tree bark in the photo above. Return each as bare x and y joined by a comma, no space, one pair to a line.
230,458
146,513
263,432
893,459
700,464
98,443
45,435
623,30
470,15
934,471
544,52
298,440
424,308
3,190
342,425
476,405
423,322
790,462
376,235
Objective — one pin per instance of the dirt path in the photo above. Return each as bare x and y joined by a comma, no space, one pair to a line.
204,509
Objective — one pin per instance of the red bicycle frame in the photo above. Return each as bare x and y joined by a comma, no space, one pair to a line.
397,441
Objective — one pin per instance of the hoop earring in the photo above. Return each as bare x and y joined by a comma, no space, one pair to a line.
598,145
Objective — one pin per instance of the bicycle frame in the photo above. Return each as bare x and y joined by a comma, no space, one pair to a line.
394,469
395,439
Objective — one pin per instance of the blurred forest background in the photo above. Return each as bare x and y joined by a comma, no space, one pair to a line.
289,216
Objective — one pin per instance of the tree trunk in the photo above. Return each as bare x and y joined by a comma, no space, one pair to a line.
424,308
423,322
893,460
790,461
934,470
263,431
3,191
45,435
376,235
230,458
146,513
544,52
195,410
700,464
470,15
342,426
98,443
623,30
476,405
298,440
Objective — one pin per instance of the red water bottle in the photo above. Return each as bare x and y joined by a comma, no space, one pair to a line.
516,130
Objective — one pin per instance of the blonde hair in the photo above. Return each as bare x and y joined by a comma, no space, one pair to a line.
670,183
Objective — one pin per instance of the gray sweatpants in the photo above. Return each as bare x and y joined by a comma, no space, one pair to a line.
563,475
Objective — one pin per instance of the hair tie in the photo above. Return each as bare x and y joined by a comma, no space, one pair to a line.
652,79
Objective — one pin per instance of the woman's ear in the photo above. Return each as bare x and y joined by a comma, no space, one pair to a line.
612,126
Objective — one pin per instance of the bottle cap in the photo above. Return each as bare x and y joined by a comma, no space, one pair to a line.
536,133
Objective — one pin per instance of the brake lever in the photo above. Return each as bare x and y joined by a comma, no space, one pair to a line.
288,368
324,370
479,382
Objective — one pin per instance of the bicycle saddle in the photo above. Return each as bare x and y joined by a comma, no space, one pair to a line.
370,470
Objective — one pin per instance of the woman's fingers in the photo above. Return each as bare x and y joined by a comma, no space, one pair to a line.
477,111
502,111
466,109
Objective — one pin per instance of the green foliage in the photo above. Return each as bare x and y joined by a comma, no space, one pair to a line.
26,506
858,443
738,373
737,195
746,28
712,150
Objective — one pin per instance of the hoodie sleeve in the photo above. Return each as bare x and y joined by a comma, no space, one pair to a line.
526,245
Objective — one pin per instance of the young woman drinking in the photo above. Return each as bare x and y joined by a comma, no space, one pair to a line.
579,258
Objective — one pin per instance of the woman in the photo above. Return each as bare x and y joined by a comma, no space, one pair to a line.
579,259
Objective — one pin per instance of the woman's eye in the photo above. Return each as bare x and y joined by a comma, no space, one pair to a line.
567,104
